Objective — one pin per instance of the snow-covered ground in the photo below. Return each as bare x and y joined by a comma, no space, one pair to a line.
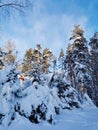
77,119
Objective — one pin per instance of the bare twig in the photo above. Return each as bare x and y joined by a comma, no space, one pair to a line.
11,4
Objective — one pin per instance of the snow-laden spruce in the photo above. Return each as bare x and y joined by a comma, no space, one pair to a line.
94,64
77,64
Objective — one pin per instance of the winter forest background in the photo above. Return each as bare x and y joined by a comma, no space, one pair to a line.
42,86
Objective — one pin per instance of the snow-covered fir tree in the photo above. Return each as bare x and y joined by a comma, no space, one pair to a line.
68,97
77,63
94,64
9,86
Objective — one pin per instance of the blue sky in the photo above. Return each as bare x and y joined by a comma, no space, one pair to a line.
50,24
